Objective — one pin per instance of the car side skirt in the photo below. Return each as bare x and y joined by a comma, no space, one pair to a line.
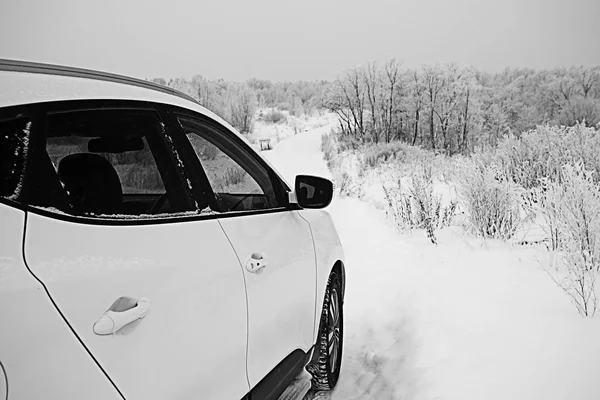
275,383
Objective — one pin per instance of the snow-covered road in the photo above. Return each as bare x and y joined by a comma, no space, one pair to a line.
467,319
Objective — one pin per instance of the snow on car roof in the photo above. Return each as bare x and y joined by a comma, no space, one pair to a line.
61,70
25,87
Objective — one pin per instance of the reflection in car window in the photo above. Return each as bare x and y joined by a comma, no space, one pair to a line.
239,182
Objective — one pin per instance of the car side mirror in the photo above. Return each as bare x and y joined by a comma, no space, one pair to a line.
313,192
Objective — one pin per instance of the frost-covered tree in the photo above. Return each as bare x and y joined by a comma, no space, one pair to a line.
572,208
242,106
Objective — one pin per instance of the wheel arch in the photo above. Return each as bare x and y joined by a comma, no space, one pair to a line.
334,264
339,268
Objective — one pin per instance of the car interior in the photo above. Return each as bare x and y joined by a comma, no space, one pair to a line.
107,166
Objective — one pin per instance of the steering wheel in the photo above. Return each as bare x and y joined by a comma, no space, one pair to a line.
158,203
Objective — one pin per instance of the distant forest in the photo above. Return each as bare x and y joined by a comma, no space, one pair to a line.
442,107
237,102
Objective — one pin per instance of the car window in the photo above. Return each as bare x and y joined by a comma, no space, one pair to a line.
14,139
114,163
239,181
224,174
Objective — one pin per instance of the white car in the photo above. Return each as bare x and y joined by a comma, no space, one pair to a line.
147,252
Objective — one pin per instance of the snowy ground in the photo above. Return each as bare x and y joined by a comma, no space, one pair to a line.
468,319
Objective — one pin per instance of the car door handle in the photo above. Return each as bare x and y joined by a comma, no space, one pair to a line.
123,311
256,261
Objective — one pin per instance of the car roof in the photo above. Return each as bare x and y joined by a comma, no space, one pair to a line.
61,70
25,82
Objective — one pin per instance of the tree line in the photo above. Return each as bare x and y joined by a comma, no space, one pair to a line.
237,102
455,110
442,107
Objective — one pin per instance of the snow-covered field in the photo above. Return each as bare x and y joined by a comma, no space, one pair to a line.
467,319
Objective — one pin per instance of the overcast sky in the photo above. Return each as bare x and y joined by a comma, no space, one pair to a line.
303,39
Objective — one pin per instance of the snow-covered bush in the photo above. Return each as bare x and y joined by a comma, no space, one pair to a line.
405,159
414,205
347,142
490,198
541,153
547,206
242,107
444,168
275,117
349,184
328,148
344,165
572,208
375,154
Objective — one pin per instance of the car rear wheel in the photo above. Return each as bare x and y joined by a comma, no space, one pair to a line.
326,369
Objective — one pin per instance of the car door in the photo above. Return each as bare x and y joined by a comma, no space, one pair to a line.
273,243
150,285
28,320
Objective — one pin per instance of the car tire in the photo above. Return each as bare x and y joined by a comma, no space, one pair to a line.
325,369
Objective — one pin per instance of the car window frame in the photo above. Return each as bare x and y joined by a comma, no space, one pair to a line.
200,183
165,160
192,166
38,114
280,188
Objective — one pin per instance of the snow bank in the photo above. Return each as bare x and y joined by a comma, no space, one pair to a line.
468,319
